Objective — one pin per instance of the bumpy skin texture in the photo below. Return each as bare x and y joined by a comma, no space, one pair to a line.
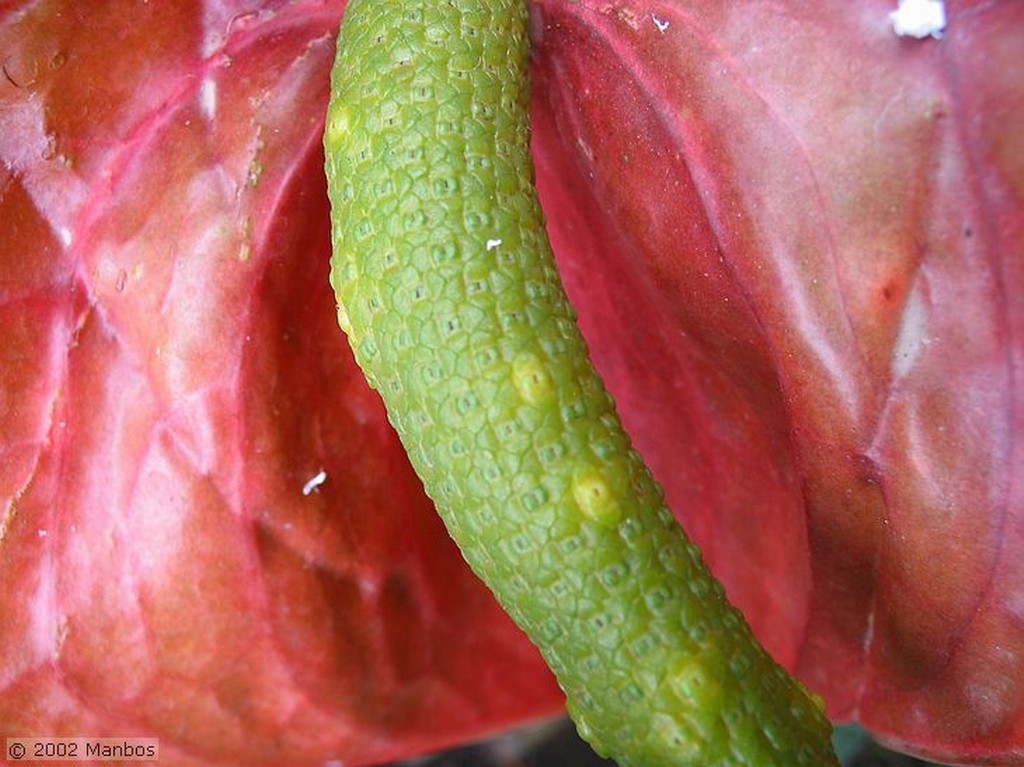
448,292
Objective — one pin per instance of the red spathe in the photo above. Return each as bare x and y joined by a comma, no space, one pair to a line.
794,242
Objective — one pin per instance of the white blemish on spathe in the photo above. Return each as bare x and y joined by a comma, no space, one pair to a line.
919,18
661,24
913,332
208,98
41,533
314,482
65,236
492,244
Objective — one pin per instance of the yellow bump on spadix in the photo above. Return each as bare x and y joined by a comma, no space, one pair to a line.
595,498
694,681
343,321
532,380
337,123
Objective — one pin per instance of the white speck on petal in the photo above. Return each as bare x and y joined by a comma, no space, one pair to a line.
208,98
919,18
65,236
662,25
492,244
314,482
41,533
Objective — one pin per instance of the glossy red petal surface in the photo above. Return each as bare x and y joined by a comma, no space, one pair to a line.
794,242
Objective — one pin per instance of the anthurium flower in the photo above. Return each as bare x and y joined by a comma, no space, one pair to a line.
792,236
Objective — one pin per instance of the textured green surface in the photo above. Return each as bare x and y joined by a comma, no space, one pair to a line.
449,294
